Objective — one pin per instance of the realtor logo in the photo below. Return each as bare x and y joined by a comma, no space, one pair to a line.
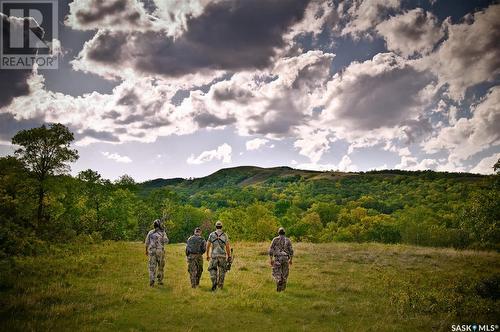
28,31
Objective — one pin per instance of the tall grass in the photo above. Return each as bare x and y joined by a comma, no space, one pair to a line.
332,287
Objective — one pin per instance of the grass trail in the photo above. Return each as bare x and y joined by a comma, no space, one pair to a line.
332,287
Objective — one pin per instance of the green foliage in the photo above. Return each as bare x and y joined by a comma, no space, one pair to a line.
45,152
423,208
481,219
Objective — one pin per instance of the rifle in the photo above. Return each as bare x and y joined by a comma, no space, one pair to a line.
162,220
230,261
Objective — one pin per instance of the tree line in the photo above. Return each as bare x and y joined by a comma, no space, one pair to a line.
40,203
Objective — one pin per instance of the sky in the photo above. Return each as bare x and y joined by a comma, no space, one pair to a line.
182,88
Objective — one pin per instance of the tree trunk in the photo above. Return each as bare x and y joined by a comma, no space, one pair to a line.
41,194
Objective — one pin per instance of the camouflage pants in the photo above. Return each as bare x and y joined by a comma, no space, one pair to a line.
217,269
280,272
156,263
195,268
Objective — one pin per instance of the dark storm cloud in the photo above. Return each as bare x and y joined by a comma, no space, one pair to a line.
9,126
384,99
108,47
131,119
154,124
209,120
99,135
13,82
232,93
111,115
228,35
128,99
95,14
99,10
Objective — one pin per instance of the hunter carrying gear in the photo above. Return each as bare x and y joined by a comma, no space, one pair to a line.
281,254
218,253
195,248
155,241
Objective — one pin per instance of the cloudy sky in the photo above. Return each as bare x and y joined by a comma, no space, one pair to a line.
181,88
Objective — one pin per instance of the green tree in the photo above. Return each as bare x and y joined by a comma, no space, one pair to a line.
311,227
45,151
261,222
481,218
95,192
126,182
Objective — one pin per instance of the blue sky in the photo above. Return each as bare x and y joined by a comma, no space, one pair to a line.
184,88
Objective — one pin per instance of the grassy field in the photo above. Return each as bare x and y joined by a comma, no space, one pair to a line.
332,287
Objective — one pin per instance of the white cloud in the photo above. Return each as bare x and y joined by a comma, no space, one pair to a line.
116,157
364,15
316,167
471,54
407,162
223,152
485,166
256,143
272,102
319,15
379,168
404,152
346,165
136,110
467,137
312,142
415,31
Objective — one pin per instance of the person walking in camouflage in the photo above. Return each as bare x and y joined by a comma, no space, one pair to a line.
218,253
281,254
155,241
195,248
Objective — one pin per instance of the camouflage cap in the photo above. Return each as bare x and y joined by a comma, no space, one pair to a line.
157,223
218,223
197,230
281,230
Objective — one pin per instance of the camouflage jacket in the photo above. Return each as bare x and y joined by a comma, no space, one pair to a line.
195,245
281,246
156,239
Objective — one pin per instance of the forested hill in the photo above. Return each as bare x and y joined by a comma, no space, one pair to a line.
390,206
253,175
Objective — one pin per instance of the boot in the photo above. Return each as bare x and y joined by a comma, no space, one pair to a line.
151,283
214,286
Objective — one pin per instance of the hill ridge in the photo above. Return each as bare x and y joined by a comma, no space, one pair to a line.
246,175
